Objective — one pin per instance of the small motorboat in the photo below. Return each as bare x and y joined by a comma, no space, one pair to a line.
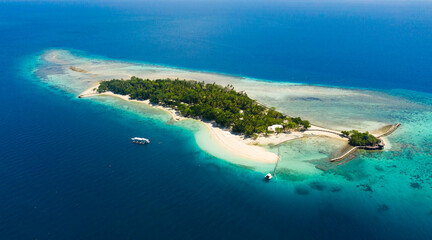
139,140
268,176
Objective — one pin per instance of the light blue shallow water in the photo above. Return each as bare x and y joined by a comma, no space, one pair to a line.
68,171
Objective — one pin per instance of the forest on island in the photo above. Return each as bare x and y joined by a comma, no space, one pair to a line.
227,107
357,138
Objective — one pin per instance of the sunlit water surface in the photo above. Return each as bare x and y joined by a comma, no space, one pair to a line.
68,170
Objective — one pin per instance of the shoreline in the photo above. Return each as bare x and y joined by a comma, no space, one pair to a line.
237,145
83,77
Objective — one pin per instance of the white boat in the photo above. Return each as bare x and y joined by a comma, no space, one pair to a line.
268,176
139,140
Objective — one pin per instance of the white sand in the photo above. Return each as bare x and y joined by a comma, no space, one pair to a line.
287,98
246,148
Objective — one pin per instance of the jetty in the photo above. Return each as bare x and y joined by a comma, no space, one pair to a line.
269,175
390,131
352,150
320,129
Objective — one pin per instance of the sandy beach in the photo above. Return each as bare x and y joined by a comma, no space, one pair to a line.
234,144
246,148
81,76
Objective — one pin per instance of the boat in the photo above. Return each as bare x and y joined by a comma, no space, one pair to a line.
139,140
268,176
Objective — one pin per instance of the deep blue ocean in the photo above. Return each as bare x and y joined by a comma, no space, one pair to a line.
66,171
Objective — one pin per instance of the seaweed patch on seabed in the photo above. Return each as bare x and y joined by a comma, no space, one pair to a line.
301,191
335,189
417,180
365,187
379,168
290,175
382,208
338,171
317,186
306,99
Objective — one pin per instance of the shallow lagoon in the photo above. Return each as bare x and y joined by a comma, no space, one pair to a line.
69,171
337,108
406,158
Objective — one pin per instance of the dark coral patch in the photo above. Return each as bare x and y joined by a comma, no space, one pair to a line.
301,191
382,208
415,185
335,189
317,186
365,187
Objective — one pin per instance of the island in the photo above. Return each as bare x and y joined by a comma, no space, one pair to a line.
224,110
359,139
238,125
210,102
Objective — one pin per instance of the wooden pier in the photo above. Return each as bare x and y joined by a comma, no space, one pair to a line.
390,131
269,175
277,162
352,150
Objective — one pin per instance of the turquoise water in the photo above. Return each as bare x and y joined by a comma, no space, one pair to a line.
401,172
68,171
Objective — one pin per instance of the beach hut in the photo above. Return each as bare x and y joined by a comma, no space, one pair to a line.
274,127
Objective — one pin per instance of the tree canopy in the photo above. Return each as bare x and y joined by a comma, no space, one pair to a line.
357,138
227,107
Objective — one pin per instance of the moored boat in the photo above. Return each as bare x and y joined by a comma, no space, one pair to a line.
139,140
268,176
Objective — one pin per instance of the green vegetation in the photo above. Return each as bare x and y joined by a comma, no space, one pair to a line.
357,138
346,133
227,107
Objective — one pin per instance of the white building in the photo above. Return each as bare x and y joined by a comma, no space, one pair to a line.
273,127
